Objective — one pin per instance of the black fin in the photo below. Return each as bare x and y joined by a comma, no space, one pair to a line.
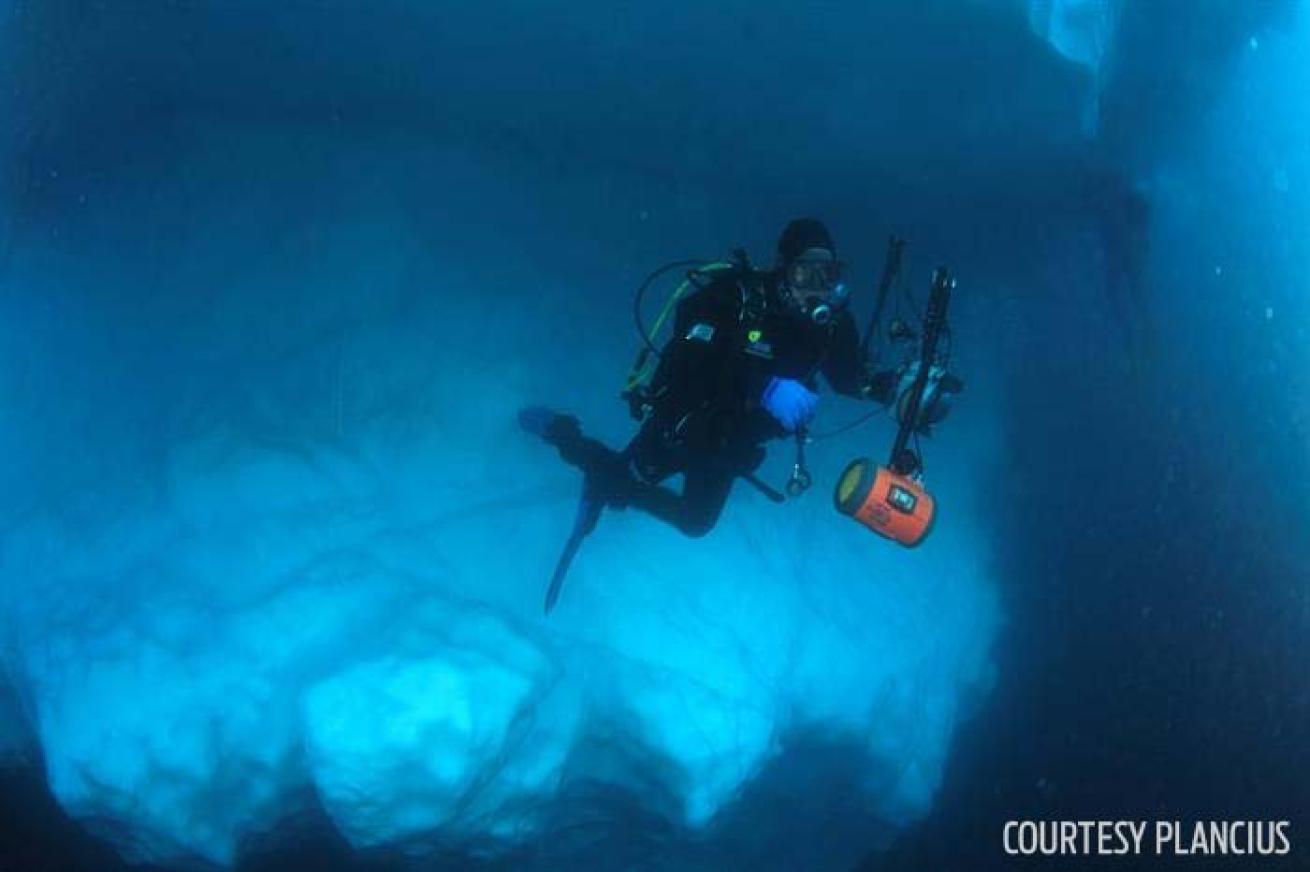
590,505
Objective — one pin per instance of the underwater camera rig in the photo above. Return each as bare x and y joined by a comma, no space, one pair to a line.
890,499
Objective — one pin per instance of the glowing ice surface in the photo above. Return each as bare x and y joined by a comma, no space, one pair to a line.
1083,32
299,544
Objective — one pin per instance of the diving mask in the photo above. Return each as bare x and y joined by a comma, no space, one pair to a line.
815,273
815,279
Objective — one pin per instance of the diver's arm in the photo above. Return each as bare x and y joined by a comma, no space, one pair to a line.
844,370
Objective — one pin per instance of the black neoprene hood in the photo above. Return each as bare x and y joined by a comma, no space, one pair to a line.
801,235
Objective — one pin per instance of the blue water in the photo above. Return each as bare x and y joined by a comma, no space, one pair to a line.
274,281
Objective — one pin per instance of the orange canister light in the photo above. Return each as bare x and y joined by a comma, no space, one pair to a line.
888,503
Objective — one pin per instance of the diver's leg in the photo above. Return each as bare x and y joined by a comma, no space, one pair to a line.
707,481
610,477
696,510
704,494
593,457
650,459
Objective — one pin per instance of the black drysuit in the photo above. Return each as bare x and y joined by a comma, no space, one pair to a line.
704,415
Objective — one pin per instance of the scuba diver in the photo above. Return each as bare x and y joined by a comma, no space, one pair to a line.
740,370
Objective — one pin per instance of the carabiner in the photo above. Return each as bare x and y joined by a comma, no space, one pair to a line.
801,479
799,482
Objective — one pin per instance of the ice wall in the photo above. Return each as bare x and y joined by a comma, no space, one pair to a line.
1080,30
275,531
1237,199
1083,32
9,169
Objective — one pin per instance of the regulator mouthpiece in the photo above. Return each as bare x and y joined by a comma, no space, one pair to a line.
822,309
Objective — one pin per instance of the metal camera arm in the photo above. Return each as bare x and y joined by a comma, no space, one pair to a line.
903,460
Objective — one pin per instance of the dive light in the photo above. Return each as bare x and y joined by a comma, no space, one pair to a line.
887,502
890,500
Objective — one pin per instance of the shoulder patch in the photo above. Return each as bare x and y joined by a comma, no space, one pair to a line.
700,333
757,346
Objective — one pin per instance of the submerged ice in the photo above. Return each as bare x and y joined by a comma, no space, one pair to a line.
298,548
1083,32
272,538
1080,30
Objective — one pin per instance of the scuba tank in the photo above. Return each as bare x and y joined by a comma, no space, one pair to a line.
755,300
890,499
821,309
635,391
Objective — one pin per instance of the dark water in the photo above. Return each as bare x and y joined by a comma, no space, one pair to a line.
1146,513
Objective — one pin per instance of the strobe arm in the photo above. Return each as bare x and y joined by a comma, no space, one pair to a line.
891,270
902,460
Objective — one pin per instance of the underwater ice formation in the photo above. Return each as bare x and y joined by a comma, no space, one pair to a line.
271,535
1080,30
1083,32
283,536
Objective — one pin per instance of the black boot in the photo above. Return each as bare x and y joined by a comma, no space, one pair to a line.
552,427
607,477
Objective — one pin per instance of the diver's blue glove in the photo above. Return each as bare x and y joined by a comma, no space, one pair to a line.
791,402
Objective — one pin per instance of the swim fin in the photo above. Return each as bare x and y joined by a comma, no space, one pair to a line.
606,480
590,505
